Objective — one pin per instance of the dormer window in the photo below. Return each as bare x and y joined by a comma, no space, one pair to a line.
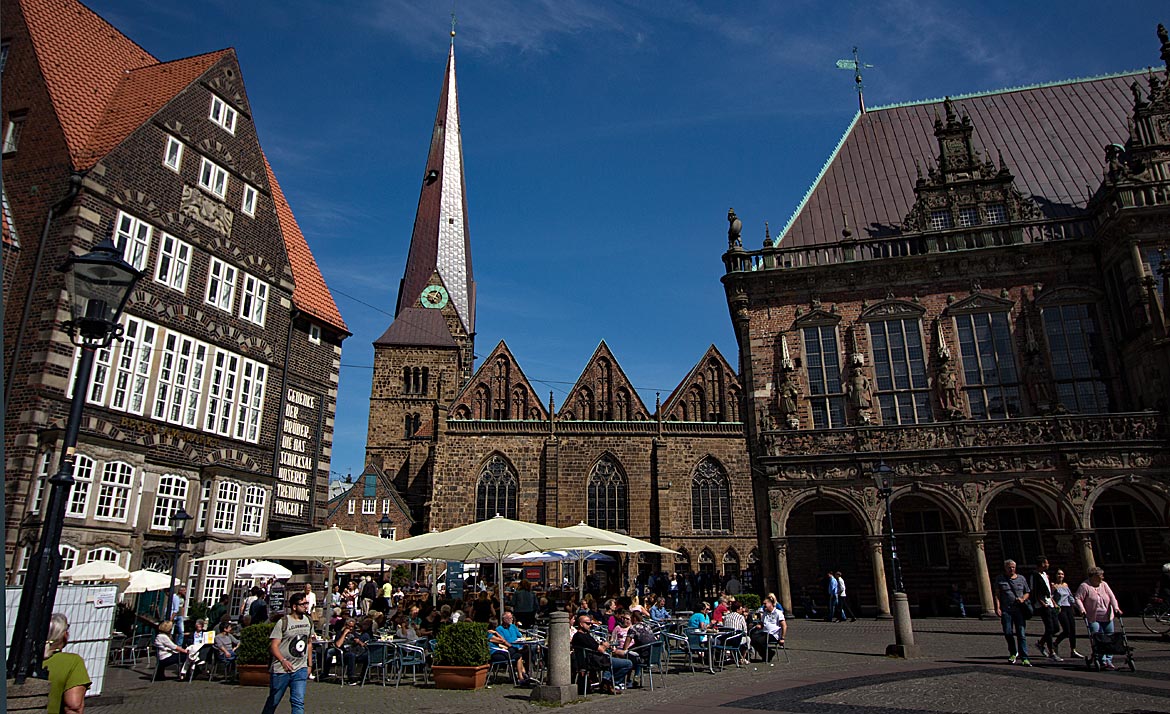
941,220
996,213
968,217
222,114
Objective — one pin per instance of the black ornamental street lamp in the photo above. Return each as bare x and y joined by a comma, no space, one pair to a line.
383,532
904,645
179,522
881,479
99,284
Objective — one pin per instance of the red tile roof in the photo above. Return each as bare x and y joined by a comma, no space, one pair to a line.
140,94
311,295
84,60
1052,138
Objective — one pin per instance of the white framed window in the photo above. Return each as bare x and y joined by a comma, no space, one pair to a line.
180,379
133,237
132,371
369,506
68,556
222,114
8,220
254,299
38,489
113,500
248,205
221,392
82,481
227,501
252,520
204,505
99,377
103,554
192,581
215,580
349,506
250,407
12,133
213,177
171,496
173,156
392,533
385,506
315,334
22,565
174,261
221,284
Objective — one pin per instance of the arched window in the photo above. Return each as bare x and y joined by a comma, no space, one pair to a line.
462,412
411,424
710,498
622,404
730,563
82,482
113,499
68,556
108,555
585,405
608,505
695,407
482,402
682,561
171,495
496,490
733,405
604,390
707,562
519,402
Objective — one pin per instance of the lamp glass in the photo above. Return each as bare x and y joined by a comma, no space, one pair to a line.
99,283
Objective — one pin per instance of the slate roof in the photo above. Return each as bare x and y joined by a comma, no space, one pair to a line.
1052,137
418,327
310,293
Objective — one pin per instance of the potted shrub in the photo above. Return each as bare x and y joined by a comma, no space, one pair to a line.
749,600
461,656
254,655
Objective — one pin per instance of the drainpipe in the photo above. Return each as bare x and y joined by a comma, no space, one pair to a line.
55,210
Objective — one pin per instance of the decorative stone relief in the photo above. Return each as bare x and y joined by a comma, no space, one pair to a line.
205,209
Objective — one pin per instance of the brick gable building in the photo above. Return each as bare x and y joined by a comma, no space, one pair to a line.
972,295
462,444
220,398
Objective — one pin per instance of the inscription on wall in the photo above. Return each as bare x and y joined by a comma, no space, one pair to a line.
297,455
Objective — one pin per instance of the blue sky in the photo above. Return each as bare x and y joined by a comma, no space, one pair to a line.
603,143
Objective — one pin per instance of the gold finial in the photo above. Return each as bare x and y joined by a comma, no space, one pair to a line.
452,24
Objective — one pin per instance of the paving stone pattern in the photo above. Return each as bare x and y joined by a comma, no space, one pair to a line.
834,669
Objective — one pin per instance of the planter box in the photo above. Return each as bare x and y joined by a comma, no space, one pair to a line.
253,675
447,677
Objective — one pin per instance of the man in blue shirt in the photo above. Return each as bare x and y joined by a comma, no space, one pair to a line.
658,611
832,614
502,641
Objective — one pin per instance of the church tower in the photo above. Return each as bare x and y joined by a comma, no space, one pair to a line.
426,354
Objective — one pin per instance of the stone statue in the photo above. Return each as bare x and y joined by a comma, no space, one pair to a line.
734,229
860,389
948,391
1162,34
790,402
1039,382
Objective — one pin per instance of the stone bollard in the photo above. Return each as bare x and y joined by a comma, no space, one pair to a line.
559,686
903,629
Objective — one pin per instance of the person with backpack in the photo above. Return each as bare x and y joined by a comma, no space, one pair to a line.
291,646
258,610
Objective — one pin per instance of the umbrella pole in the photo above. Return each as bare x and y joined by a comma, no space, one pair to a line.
500,584
580,579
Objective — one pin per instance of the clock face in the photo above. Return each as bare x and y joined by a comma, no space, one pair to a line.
435,296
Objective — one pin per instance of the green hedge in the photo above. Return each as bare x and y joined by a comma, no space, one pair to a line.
750,600
254,647
463,644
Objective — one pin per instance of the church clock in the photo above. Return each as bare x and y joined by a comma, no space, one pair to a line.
435,296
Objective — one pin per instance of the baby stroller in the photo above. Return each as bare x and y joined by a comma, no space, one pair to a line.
1114,643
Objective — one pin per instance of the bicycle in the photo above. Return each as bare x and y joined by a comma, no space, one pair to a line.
1156,616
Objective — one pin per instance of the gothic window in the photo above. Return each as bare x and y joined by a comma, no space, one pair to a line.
710,498
707,562
605,390
622,405
1078,357
682,561
1019,536
415,380
519,402
715,392
1118,541
900,367
693,408
822,360
730,563
496,491
733,405
989,365
585,405
500,389
482,402
462,412
926,545
607,506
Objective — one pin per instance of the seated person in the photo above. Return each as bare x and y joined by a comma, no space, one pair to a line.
226,643
736,619
403,629
501,639
597,655
623,639
772,627
697,625
349,647
196,639
658,611
720,609
167,651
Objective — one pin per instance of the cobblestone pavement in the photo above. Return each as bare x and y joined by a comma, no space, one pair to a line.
834,669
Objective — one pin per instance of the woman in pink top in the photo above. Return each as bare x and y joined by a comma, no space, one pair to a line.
1098,604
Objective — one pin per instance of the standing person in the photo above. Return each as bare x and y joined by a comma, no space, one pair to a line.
311,597
524,604
1067,617
218,610
291,646
843,600
834,593
1099,605
674,591
68,678
369,594
178,601
1012,592
1045,606
258,610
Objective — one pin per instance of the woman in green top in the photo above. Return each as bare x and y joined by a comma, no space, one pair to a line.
68,679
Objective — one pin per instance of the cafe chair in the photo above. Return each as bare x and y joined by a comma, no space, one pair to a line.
413,657
650,657
381,655
677,645
728,644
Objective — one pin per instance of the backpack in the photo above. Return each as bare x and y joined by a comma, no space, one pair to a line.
259,610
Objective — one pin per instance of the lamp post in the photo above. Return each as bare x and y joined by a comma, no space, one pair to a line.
903,625
99,284
383,532
179,522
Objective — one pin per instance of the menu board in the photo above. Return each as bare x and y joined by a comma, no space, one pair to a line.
302,416
276,597
454,580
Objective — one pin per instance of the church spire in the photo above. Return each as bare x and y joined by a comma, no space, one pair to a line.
441,241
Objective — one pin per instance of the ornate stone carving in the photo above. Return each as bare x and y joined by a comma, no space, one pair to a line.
860,389
734,230
205,209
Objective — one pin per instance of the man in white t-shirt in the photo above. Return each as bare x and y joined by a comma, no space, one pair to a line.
311,597
843,600
773,627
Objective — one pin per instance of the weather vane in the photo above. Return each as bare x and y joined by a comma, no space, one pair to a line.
452,23
856,65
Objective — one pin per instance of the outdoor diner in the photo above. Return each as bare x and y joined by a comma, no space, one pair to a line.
498,602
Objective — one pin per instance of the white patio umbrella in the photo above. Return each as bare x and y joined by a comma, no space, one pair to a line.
625,544
95,571
495,538
142,581
263,570
356,566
